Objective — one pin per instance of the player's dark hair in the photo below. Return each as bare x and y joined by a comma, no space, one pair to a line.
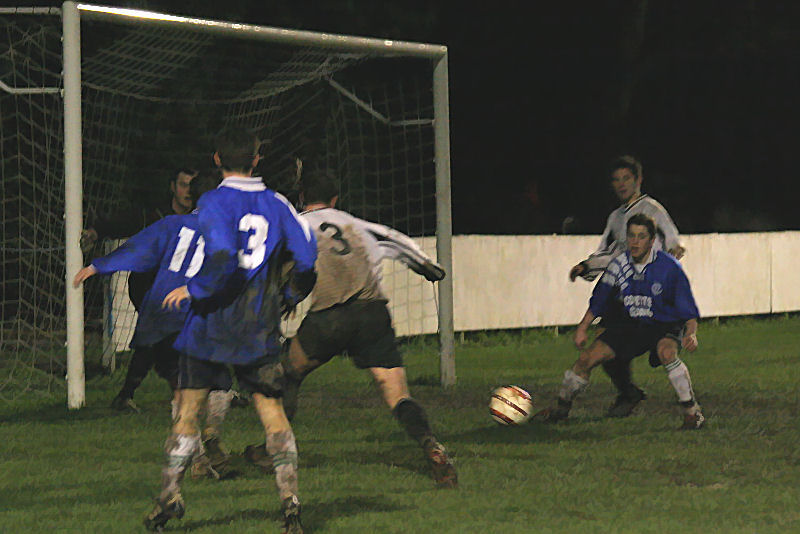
202,183
641,219
318,185
626,162
236,147
185,170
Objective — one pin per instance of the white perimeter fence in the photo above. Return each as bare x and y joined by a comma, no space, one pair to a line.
521,281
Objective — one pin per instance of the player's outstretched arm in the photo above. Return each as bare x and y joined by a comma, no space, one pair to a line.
83,274
398,246
141,253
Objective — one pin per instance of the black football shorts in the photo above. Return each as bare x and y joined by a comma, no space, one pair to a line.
361,328
264,376
633,339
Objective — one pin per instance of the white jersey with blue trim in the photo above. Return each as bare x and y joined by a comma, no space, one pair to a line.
615,237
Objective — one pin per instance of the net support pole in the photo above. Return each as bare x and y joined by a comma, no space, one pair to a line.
444,220
73,200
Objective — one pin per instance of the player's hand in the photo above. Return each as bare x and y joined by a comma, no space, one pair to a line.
580,338
432,271
175,298
677,251
88,239
576,271
83,274
690,342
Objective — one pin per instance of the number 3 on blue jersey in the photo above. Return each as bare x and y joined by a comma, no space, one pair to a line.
256,242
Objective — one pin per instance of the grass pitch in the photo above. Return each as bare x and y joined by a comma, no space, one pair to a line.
97,471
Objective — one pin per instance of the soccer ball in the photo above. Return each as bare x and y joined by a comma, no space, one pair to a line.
510,405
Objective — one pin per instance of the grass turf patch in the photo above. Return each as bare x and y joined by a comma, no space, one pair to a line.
96,470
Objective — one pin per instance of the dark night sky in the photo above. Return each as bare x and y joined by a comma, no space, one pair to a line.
544,94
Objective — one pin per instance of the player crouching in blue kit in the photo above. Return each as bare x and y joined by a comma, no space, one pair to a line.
648,294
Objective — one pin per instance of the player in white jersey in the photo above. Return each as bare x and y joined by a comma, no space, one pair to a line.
349,312
626,180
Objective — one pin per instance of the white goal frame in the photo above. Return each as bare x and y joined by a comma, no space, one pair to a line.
73,12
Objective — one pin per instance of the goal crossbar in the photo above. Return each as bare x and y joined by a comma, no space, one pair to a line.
385,47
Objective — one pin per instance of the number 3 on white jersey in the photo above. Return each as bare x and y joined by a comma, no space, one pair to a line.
256,243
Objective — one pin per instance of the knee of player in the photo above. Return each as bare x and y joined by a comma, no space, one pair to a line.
667,351
381,382
593,356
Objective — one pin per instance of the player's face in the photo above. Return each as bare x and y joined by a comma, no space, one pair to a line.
625,184
639,242
180,190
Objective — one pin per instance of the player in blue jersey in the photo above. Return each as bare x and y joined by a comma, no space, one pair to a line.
124,225
626,181
171,250
660,316
236,300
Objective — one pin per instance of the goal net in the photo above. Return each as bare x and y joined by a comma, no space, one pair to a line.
152,96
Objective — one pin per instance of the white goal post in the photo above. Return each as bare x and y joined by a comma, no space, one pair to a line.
73,13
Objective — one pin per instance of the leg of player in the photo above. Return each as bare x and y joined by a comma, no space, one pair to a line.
296,365
211,459
179,449
218,406
678,374
140,364
628,394
576,380
394,388
282,448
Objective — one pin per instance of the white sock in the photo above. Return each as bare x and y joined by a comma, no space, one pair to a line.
678,375
572,386
281,446
179,448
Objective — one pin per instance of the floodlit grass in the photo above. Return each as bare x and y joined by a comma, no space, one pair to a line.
96,471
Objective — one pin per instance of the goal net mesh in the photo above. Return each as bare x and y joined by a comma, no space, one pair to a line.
152,99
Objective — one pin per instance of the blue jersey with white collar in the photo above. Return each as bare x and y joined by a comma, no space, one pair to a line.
173,247
659,294
236,296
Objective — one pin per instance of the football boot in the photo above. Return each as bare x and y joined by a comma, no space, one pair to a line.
163,512
442,468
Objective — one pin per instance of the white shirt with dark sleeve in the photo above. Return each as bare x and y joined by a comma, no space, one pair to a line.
615,237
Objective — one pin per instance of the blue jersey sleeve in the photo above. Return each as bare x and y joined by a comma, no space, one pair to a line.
685,305
142,252
602,293
221,251
302,245
300,240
